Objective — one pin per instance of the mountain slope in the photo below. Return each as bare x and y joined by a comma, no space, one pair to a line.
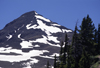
30,40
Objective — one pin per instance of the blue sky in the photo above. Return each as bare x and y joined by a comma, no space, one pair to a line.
64,12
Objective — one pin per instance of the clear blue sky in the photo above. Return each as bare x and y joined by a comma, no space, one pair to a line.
64,12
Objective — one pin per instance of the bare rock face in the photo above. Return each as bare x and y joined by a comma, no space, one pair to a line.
30,41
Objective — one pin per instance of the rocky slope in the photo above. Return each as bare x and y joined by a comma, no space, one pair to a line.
30,41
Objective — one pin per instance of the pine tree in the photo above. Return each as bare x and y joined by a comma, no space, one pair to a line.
48,65
96,36
61,65
96,42
55,61
65,49
87,34
70,58
85,60
61,50
98,39
76,48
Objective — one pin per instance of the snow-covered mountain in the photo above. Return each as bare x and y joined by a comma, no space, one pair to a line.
30,41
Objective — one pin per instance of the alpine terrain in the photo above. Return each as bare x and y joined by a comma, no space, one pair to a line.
30,41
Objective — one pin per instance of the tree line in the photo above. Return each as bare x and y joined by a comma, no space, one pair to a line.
85,44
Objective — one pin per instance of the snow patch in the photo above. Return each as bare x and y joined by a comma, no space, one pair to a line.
57,54
36,13
28,64
44,40
44,27
40,17
31,21
20,27
48,28
9,37
20,37
55,25
64,30
26,44
7,45
30,27
52,38
15,31
47,57
22,57
36,46
52,66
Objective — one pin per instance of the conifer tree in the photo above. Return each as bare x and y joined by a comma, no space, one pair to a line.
96,36
55,61
68,59
76,47
99,39
61,65
85,60
96,42
87,34
61,52
65,49
48,65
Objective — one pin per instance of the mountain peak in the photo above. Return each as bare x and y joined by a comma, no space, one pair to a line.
29,13
31,40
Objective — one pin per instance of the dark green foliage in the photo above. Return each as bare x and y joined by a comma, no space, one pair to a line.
55,66
61,50
65,49
96,36
96,42
87,34
48,65
99,33
98,39
61,65
85,43
87,37
85,60
76,46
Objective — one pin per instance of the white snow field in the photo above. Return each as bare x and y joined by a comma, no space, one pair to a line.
22,56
